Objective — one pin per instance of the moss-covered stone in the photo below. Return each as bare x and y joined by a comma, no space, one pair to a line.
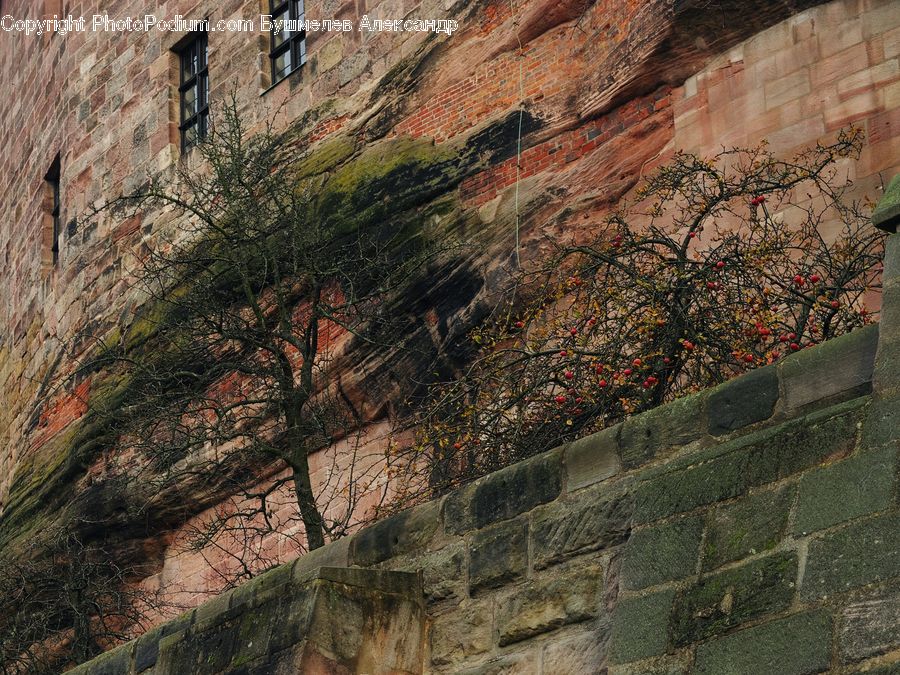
845,490
662,553
856,555
742,401
751,525
797,645
640,627
724,600
652,433
756,459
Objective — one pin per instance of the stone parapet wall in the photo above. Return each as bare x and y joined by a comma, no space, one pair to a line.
751,528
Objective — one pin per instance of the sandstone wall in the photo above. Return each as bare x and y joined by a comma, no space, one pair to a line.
751,528
610,90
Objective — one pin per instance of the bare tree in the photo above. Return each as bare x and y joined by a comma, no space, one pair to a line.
719,266
254,297
63,602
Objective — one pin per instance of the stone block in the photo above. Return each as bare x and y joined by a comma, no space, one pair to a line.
505,494
854,487
342,618
753,524
511,664
795,645
654,432
886,215
839,369
856,555
562,530
679,664
744,400
114,662
408,531
443,572
662,553
582,654
640,627
352,67
752,460
787,88
333,554
592,459
498,554
330,54
727,599
264,587
214,610
550,601
870,627
462,633
146,647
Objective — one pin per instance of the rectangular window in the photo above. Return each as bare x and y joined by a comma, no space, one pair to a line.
288,39
52,207
194,90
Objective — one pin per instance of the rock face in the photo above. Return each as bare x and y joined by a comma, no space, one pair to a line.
412,127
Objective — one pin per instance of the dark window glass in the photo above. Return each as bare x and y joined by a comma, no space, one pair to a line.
194,91
288,46
52,179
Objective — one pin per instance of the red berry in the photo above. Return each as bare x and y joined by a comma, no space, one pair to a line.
795,346
560,399
748,358
579,400
569,374
687,344
667,360
692,234
720,264
783,338
602,384
814,278
457,445
711,285
573,331
599,369
764,331
835,304
792,336
564,353
520,324
636,362
799,280
627,372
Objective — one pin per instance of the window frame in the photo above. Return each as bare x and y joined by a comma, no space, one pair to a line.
295,43
197,45
53,207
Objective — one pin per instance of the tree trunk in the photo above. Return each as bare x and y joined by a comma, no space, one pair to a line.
306,501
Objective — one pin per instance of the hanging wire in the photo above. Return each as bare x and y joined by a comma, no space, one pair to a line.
521,120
